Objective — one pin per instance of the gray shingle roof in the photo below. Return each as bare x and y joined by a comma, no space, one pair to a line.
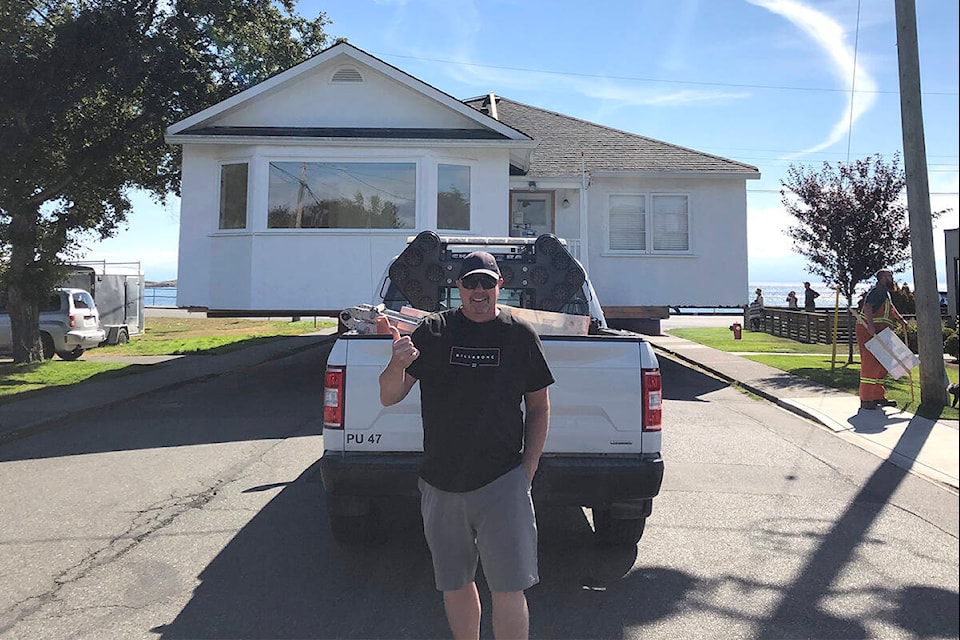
562,138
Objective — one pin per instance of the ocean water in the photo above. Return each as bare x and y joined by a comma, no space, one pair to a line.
775,294
160,296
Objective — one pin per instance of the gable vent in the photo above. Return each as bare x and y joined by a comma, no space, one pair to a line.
346,75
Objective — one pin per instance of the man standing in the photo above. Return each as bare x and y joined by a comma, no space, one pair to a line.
876,314
810,296
475,365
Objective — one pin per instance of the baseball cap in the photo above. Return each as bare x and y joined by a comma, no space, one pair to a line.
479,262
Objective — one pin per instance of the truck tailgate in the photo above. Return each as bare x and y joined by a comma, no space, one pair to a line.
596,401
595,404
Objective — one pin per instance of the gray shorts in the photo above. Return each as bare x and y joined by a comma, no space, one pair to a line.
495,524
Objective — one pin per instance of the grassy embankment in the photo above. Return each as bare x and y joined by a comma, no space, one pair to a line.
815,362
161,336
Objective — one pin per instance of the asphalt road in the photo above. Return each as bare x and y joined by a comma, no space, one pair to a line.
193,513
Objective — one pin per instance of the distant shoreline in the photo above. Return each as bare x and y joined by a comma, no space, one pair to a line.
163,284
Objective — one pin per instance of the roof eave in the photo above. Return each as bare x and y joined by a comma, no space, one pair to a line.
742,174
185,138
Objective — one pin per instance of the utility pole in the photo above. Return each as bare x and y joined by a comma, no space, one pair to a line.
933,387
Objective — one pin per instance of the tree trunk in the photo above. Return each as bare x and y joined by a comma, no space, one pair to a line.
24,326
21,299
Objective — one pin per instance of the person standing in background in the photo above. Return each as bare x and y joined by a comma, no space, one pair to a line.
809,297
755,312
792,300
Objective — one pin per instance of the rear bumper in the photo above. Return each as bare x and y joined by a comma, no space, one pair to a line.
85,338
572,480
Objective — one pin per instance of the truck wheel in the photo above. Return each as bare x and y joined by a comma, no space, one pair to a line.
71,355
46,345
615,532
122,336
365,530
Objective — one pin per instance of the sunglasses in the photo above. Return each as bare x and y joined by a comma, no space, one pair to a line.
482,279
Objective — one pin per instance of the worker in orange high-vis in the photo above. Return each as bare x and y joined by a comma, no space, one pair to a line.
876,314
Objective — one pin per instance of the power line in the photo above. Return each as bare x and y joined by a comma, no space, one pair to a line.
599,76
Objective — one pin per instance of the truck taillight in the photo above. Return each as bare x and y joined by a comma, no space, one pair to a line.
652,400
333,398
73,322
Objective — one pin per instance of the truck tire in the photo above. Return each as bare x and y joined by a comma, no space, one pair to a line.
71,355
364,530
123,336
617,532
46,345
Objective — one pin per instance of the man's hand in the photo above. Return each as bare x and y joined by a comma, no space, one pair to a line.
404,353
395,382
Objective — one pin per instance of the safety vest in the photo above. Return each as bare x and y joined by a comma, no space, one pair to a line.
883,318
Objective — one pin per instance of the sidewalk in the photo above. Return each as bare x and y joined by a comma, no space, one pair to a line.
46,410
926,447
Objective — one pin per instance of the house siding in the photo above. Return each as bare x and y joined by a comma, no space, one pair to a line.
261,269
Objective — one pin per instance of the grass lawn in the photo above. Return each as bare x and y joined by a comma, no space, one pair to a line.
758,342
161,336
788,355
164,336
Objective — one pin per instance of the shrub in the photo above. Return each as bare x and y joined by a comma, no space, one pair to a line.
951,343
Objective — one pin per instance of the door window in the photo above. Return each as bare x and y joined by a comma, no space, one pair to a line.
531,213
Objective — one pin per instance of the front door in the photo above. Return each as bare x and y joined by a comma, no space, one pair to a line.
531,213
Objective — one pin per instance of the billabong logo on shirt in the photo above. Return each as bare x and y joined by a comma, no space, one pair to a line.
470,357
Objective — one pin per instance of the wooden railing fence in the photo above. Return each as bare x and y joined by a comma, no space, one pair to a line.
805,326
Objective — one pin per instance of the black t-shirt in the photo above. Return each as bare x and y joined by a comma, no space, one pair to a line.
472,379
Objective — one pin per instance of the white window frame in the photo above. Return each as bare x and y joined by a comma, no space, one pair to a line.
649,225
246,218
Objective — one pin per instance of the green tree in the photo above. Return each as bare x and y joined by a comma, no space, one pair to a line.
87,88
851,220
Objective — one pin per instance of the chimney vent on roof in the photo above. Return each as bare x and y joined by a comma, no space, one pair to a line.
490,105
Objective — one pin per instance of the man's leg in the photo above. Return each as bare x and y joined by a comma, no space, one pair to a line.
511,618
463,612
872,372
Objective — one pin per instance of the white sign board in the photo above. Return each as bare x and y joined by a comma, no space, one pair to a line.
892,353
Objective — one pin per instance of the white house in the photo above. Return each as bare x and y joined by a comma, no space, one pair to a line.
297,192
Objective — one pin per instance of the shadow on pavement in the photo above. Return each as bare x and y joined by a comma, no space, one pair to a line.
701,384
283,576
229,407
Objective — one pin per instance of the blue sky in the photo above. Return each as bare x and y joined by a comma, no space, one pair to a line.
766,82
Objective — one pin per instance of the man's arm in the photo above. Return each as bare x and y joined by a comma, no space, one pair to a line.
867,311
395,382
536,424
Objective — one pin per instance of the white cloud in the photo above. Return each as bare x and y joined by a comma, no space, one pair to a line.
766,226
830,37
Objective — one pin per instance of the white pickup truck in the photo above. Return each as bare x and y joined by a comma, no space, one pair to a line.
603,447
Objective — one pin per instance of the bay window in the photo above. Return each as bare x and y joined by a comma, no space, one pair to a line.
342,195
